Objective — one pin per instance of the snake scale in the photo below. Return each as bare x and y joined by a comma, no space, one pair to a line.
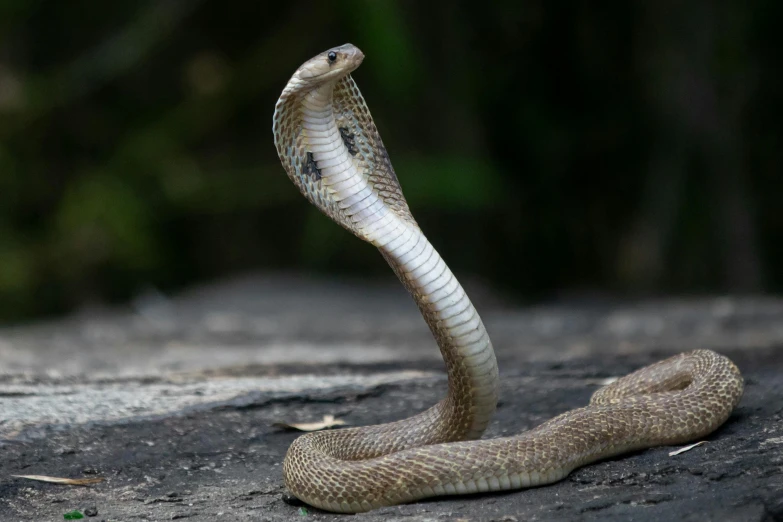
330,148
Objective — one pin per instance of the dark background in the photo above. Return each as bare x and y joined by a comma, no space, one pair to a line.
549,149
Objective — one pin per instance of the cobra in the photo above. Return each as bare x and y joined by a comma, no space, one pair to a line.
330,148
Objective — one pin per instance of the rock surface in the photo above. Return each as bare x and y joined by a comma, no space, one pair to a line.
174,402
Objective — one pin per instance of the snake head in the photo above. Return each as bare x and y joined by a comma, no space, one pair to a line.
329,66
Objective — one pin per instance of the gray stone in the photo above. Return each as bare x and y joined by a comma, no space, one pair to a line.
173,402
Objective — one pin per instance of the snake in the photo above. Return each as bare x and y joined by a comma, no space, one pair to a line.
330,148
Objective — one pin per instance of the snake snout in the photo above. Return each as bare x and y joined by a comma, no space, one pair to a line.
354,54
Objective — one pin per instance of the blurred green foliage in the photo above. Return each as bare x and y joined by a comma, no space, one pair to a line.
544,147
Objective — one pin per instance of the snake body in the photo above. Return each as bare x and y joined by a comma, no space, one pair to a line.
330,148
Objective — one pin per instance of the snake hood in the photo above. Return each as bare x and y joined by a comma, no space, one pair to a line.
330,148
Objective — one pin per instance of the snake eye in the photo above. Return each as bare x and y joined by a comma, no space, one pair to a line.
332,56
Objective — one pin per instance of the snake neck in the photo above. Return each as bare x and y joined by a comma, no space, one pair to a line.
454,322
446,308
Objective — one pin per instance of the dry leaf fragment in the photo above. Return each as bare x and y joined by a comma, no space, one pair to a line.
60,480
328,422
686,448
